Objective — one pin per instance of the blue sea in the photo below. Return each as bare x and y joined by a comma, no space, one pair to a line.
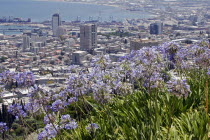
40,11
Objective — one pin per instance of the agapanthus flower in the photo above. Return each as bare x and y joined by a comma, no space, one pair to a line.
21,79
17,110
101,91
92,126
77,84
72,100
71,125
137,72
33,90
65,118
203,59
49,118
3,127
154,80
102,61
192,56
208,72
178,87
50,131
67,122
32,106
43,135
171,51
58,105
63,94
45,97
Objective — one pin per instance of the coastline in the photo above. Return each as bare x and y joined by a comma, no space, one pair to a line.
116,6
99,9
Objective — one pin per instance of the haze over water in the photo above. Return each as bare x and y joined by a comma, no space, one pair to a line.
43,10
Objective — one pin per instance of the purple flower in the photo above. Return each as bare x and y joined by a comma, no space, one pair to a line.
208,72
49,118
65,118
101,91
203,59
72,100
92,126
77,84
68,123
71,125
178,87
69,101
22,79
33,90
57,105
3,127
101,61
32,107
192,56
43,135
17,110
50,131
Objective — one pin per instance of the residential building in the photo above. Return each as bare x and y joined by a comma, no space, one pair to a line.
88,37
137,44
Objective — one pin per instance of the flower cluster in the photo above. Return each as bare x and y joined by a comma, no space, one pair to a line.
3,127
178,87
67,122
104,79
57,105
12,79
32,106
208,72
50,131
49,118
92,127
193,56
17,110
102,61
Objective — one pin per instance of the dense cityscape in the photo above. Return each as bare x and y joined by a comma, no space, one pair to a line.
52,54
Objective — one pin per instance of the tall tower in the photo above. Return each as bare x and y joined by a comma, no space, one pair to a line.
26,42
156,28
88,37
56,22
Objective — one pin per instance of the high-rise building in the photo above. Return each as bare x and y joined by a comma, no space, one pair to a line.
88,37
26,42
56,22
156,28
